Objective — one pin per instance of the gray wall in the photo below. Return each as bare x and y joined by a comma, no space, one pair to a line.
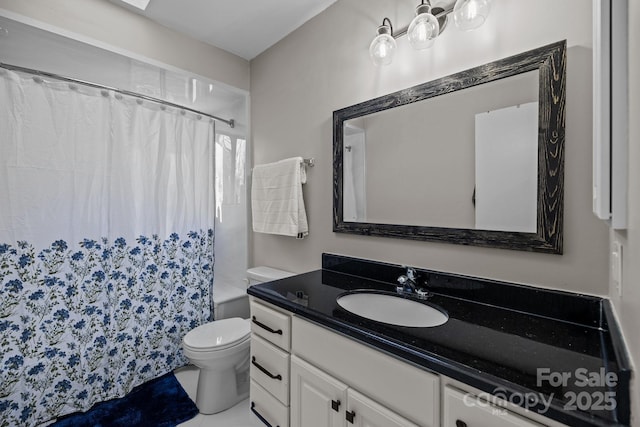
324,66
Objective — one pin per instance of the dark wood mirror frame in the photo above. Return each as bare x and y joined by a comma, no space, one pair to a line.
550,61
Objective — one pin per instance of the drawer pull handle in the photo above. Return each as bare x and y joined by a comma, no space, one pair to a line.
335,405
263,326
350,416
260,417
264,371
460,423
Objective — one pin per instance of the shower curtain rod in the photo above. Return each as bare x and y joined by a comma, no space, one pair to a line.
230,122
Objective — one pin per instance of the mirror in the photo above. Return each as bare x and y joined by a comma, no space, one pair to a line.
474,158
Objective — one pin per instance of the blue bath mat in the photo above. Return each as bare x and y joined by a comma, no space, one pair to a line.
161,402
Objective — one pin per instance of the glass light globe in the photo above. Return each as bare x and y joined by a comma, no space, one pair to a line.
423,31
470,14
382,49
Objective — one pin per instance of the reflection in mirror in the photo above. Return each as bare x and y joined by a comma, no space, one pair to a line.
474,158
436,140
355,190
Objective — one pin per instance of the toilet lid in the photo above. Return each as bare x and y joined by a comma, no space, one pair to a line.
218,334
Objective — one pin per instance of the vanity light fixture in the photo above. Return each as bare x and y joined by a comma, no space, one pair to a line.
424,28
427,25
384,45
470,14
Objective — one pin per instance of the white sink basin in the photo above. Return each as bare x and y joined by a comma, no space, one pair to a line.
392,309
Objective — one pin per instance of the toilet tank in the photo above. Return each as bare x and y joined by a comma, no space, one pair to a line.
266,274
231,301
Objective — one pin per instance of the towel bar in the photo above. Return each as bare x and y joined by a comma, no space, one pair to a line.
310,162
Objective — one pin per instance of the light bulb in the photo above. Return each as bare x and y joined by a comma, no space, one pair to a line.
424,28
470,14
383,46
423,31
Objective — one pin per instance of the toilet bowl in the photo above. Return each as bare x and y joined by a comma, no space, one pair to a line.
220,349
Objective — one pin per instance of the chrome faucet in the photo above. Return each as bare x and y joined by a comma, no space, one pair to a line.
408,284
407,281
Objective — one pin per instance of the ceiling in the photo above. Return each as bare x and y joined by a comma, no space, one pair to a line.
243,27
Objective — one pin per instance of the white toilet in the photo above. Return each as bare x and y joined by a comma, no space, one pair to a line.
221,348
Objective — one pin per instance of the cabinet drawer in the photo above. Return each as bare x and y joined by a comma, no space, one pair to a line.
464,409
267,408
270,368
271,325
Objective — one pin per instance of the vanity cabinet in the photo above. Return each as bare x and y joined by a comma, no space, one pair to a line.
305,375
269,372
319,400
478,369
380,389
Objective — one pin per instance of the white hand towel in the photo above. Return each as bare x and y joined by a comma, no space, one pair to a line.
277,206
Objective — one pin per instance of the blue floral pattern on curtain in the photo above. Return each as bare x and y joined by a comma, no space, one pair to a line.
107,209
82,326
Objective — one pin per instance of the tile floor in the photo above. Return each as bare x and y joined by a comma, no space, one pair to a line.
238,416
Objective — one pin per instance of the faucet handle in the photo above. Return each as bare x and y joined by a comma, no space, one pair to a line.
422,294
402,281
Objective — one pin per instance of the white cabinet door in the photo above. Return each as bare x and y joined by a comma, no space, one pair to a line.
414,393
317,399
364,412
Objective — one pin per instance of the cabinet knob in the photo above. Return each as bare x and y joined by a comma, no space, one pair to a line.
335,405
460,423
350,416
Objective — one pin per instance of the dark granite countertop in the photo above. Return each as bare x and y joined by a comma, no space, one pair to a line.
505,339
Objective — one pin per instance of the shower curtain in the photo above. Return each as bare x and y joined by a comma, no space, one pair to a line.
106,243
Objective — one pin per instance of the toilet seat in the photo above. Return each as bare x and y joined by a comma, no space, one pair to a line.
218,335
